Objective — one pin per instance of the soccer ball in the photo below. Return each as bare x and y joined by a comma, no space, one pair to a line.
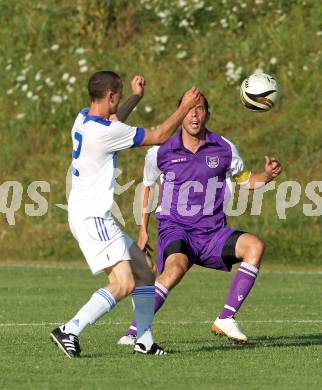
259,92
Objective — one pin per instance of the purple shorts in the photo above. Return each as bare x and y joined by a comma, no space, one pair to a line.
204,248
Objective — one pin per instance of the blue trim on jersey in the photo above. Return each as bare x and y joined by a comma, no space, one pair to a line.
75,171
97,119
79,138
85,111
139,137
114,160
94,118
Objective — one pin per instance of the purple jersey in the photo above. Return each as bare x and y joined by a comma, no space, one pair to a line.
193,185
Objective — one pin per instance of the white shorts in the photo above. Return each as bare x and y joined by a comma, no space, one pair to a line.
102,242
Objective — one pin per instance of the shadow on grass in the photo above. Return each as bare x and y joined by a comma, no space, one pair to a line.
255,342
288,341
219,343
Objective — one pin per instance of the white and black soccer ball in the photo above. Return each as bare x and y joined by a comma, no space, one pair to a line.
259,92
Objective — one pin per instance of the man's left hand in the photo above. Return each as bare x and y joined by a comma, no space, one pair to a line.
137,85
272,167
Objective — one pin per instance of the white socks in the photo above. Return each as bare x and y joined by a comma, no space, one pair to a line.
101,302
143,304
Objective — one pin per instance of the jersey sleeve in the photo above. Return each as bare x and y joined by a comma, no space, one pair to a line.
151,170
120,136
237,167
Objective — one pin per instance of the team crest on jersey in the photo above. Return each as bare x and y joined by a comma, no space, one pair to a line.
212,162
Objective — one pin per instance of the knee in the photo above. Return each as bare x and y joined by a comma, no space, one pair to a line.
129,286
178,270
255,251
126,286
259,246
173,273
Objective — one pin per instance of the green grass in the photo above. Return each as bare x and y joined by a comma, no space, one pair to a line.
122,35
42,41
281,317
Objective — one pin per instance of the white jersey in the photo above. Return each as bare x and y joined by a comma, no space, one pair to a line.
96,142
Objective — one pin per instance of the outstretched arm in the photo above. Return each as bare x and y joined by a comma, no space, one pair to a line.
137,85
165,130
271,170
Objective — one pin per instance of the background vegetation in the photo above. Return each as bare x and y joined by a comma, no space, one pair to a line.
50,48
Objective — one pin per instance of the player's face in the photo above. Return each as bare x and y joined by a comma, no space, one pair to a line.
194,122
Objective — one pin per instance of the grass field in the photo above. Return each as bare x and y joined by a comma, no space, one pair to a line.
49,49
282,318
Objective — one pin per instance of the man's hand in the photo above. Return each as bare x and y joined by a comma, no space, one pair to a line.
137,85
143,242
164,131
272,167
191,98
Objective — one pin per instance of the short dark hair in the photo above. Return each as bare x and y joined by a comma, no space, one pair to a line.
205,99
101,81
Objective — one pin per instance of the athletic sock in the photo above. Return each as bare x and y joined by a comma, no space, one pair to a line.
161,294
143,304
101,302
240,287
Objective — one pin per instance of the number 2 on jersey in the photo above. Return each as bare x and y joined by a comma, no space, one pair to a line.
79,138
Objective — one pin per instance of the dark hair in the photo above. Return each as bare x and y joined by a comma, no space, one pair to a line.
205,99
100,82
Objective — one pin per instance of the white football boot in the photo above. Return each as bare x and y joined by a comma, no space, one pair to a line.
128,339
228,327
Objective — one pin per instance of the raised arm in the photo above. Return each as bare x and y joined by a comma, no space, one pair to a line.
137,85
165,130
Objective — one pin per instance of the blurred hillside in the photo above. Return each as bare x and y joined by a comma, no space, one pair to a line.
50,48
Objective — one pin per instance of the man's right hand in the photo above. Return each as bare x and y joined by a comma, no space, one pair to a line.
190,98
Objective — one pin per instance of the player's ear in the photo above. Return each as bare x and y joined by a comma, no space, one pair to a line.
109,95
207,116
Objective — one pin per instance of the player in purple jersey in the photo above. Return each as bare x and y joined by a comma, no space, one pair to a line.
196,167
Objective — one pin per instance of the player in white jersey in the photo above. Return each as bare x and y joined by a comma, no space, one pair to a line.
98,136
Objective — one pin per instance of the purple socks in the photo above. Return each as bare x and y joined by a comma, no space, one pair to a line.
240,287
